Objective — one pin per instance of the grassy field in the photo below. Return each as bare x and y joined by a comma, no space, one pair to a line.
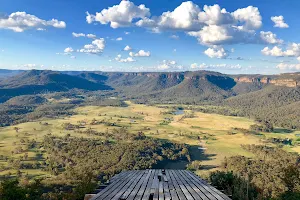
212,129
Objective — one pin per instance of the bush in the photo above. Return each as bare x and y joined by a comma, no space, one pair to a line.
195,165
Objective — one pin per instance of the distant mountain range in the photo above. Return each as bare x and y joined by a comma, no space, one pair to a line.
275,98
167,86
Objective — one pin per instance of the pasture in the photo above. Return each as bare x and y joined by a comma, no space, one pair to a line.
210,132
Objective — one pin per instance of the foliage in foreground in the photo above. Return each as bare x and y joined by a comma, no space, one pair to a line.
272,174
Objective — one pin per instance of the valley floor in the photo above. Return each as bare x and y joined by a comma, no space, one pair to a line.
207,134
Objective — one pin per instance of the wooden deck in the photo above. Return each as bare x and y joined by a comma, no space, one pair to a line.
158,185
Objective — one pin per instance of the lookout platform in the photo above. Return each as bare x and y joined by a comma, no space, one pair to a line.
156,184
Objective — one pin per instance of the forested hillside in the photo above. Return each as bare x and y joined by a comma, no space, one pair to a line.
273,98
277,104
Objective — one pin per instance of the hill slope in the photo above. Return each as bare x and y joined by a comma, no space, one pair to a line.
35,81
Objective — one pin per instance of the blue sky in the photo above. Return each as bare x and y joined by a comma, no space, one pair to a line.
232,36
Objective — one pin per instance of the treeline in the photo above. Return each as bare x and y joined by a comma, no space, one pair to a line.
77,156
277,105
28,108
272,174
78,165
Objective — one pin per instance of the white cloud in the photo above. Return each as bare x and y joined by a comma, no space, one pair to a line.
189,17
41,29
176,37
119,39
140,53
216,52
92,36
127,33
20,21
68,50
250,17
184,17
211,26
202,66
89,35
288,67
173,62
270,37
168,65
73,57
97,47
127,48
292,50
279,22
120,15
124,60
78,34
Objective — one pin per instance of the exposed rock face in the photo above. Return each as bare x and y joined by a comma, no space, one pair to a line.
275,80
285,82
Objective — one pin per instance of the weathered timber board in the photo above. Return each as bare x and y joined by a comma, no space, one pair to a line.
159,184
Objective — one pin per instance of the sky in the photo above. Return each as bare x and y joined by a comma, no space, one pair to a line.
229,36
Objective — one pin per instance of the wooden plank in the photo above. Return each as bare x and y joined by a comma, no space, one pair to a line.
178,190
166,190
213,188
201,188
155,186
205,186
111,187
116,177
159,185
144,178
115,190
127,187
144,186
199,185
161,195
171,187
182,186
196,193
131,186
146,194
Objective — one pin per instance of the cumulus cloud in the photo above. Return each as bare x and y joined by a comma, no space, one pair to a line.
119,39
189,17
292,50
288,67
202,66
279,22
89,35
120,15
176,37
216,52
270,37
124,60
168,65
78,34
140,53
96,47
20,21
68,50
127,48
211,26
250,18
184,17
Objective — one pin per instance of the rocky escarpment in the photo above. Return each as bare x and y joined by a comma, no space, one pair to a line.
287,80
